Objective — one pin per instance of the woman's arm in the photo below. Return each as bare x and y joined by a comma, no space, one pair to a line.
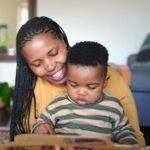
117,87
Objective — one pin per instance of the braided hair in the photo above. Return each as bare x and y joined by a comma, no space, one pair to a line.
25,78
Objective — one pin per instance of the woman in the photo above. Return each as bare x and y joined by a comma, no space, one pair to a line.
40,77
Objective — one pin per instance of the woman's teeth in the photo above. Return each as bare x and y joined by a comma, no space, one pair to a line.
58,75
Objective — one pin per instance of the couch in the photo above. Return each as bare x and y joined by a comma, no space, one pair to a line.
139,65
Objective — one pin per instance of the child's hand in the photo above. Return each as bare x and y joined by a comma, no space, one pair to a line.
128,142
43,128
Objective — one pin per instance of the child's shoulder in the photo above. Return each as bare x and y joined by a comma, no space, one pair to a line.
59,99
109,98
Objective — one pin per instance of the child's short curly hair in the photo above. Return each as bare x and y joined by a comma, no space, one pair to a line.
88,53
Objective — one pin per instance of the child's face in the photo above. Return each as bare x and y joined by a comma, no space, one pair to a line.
85,84
46,56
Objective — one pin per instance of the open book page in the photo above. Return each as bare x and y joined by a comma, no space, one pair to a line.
33,141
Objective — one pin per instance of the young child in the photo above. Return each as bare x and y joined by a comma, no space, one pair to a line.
85,110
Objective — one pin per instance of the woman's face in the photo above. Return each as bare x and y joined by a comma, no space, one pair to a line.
46,56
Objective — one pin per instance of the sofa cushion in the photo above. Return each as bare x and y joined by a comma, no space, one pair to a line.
140,82
140,66
144,55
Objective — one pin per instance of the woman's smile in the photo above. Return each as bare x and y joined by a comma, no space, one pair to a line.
58,76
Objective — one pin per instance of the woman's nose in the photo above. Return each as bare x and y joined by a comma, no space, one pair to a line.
49,65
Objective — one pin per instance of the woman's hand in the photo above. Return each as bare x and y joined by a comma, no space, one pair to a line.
43,128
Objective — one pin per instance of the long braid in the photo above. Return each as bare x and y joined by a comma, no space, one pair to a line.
25,79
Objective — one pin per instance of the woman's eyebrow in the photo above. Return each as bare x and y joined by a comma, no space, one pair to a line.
37,60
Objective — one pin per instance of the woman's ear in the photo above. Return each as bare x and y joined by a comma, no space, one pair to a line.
63,41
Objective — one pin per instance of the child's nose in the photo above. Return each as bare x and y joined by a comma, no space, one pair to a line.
82,91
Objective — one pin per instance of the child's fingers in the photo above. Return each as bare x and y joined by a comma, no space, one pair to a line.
49,128
43,129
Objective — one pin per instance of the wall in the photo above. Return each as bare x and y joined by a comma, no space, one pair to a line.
121,25
7,72
8,15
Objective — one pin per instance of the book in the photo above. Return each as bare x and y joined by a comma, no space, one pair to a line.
67,142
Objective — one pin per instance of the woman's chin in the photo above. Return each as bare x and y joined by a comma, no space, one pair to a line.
61,81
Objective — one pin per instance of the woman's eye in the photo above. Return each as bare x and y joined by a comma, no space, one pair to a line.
36,65
53,52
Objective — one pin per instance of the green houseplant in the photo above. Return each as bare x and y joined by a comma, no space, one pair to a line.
5,94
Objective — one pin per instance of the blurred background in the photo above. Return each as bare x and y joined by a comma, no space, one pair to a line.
123,26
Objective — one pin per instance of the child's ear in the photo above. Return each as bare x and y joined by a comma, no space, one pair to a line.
106,80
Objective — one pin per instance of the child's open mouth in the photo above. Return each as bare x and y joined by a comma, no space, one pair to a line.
82,102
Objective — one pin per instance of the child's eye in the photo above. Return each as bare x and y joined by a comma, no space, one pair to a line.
72,84
92,87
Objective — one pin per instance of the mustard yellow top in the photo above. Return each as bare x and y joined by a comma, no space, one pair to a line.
116,86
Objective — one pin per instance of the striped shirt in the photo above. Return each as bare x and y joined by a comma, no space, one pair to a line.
105,118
